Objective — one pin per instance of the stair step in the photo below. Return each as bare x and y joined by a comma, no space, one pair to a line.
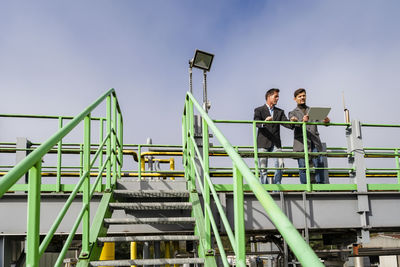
152,206
147,262
168,220
152,193
148,238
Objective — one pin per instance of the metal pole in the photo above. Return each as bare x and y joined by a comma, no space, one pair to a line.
306,159
157,251
190,79
206,197
99,185
86,189
33,220
205,100
58,183
108,130
146,252
256,171
239,217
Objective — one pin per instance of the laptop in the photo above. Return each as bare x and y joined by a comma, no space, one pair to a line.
318,114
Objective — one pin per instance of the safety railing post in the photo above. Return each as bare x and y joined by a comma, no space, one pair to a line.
99,185
255,150
114,140
238,204
206,196
185,140
191,145
86,188
59,157
109,133
396,151
306,157
80,159
121,143
140,162
33,220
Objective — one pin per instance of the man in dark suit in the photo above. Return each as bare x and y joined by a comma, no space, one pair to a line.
300,113
268,137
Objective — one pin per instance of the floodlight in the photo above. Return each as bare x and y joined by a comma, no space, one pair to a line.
202,60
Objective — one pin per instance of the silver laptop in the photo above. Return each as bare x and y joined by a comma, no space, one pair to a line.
318,113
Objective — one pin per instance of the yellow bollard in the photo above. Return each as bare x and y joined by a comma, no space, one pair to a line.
108,252
167,252
133,252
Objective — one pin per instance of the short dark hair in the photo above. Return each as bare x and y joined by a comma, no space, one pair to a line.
299,91
271,92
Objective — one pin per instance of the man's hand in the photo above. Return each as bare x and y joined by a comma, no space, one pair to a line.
306,118
269,118
327,120
294,119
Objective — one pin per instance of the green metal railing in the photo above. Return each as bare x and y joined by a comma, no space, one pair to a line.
197,168
111,141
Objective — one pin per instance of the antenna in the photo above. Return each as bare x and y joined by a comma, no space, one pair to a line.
346,111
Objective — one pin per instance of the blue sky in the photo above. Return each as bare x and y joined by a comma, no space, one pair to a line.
58,56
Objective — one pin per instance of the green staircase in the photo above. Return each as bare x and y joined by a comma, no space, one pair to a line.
184,215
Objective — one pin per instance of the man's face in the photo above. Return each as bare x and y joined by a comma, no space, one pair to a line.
300,98
273,99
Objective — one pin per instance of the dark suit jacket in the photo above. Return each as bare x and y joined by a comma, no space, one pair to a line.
312,132
269,134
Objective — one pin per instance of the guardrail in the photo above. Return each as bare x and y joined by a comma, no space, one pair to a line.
197,169
111,140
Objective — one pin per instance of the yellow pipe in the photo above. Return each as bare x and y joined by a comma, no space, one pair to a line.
172,166
167,252
133,252
108,252
166,153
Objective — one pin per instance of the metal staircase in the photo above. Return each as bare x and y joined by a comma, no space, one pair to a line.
166,216
210,220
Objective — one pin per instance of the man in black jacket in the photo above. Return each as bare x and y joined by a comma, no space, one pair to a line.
269,137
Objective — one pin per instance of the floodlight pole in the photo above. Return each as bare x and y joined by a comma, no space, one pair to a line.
190,77
205,101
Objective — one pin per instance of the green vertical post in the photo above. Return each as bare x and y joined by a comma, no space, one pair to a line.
191,146
255,150
306,158
81,159
114,140
206,196
121,142
238,204
184,140
86,188
397,165
108,129
59,156
33,220
99,185
140,162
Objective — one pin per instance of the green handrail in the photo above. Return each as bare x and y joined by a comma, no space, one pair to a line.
20,169
32,163
300,248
